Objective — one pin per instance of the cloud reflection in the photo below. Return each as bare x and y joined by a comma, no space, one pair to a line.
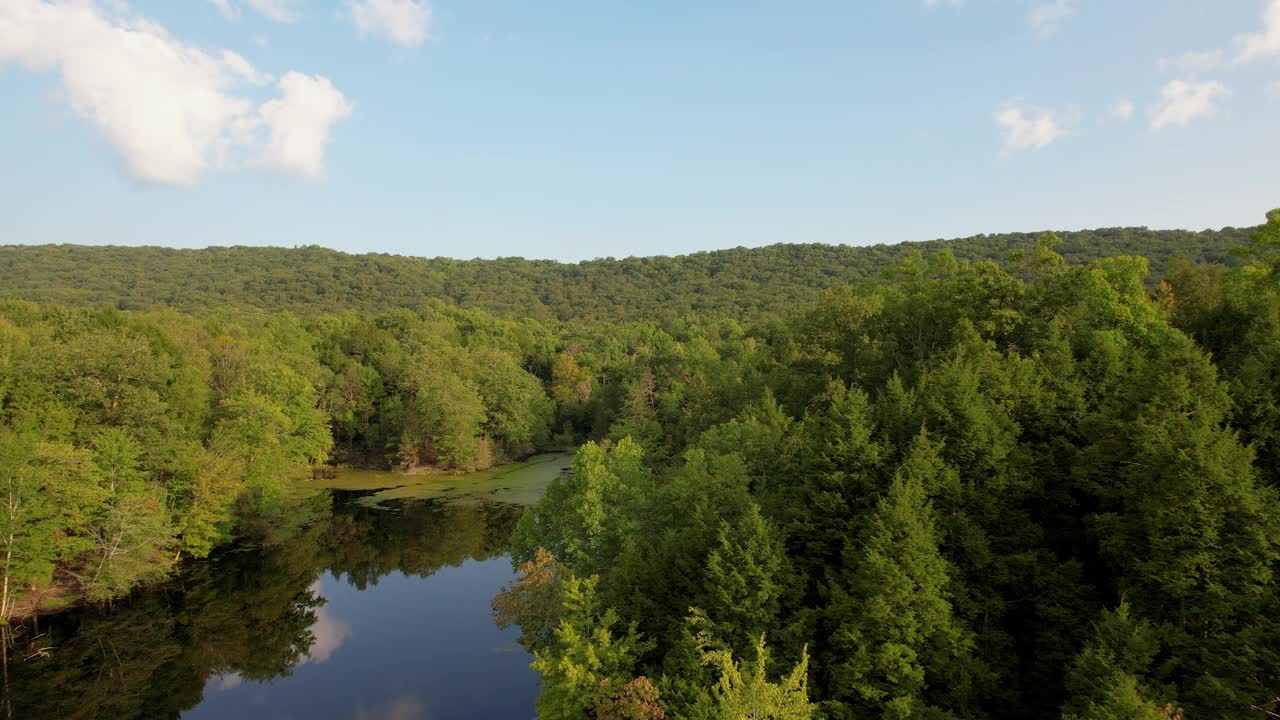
227,681
329,632
405,707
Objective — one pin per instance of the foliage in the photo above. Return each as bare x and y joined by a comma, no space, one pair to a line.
923,472
744,691
314,280
533,601
895,637
132,440
587,660
936,481
1104,679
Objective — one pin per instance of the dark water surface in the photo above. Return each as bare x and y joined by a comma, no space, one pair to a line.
355,610
411,648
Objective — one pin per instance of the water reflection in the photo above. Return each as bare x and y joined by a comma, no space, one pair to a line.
226,682
328,632
407,707
361,612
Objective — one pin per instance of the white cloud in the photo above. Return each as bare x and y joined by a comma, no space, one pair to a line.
402,21
1045,17
1274,89
1122,109
1184,101
1266,43
299,124
1193,61
229,11
935,3
170,112
1025,130
164,107
241,67
285,11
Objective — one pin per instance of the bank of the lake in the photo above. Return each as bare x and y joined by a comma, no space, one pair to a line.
520,483
373,605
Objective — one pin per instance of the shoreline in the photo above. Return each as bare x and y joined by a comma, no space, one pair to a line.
63,594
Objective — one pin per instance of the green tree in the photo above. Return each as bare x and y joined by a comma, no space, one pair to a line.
517,411
743,689
580,517
131,530
47,491
447,414
897,646
205,492
841,461
1184,518
1106,681
1264,243
744,575
588,657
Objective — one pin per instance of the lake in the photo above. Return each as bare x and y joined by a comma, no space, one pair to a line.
369,603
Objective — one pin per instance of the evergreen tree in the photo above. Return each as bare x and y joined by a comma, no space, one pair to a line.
841,466
1106,681
744,577
896,646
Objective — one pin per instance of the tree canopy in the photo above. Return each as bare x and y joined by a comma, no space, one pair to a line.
1001,477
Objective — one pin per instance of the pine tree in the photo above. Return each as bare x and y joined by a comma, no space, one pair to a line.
1106,680
896,644
743,577
1186,529
841,463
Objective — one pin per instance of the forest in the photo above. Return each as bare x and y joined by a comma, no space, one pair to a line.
742,283
1008,476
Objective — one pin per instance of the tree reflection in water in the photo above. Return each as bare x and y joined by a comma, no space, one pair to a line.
250,613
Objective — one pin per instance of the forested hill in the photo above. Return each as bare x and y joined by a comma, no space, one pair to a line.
745,282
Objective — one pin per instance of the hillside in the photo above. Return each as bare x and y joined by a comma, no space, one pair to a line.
311,280
1043,488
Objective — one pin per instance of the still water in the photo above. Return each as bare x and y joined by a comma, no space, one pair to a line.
370,605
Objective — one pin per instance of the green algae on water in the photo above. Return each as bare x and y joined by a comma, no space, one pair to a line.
520,483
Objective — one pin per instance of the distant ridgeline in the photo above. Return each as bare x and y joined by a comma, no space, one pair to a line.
746,282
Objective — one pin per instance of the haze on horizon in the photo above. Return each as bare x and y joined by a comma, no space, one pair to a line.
496,129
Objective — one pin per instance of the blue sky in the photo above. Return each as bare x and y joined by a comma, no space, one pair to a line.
591,129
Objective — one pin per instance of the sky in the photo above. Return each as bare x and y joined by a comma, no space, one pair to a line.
609,128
